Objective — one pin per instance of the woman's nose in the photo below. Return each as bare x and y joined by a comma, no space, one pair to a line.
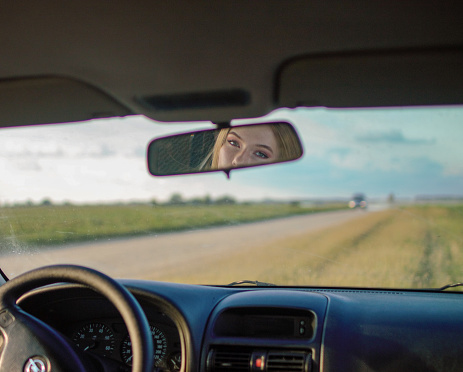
241,159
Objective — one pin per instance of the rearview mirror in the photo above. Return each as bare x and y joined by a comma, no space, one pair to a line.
224,149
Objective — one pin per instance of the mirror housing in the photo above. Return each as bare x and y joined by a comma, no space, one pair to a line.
236,147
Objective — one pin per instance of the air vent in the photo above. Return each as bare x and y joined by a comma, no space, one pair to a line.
233,359
282,361
229,360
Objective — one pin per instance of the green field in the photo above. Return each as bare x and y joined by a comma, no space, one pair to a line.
54,225
402,247
413,247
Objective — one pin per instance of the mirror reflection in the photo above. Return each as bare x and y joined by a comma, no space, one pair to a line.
224,149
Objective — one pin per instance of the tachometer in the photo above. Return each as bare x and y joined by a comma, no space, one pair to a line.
95,337
160,347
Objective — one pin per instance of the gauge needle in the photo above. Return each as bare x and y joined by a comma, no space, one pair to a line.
174,362
91,346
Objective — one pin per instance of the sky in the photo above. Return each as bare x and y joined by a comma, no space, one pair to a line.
404,151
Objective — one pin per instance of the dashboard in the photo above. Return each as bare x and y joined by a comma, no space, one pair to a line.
201,328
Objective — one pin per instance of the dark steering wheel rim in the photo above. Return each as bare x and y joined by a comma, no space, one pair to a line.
12,318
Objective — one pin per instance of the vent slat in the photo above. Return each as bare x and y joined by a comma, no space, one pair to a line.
231,361
239,360
285,361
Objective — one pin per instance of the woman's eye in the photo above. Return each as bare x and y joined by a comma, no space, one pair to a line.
234,143
261,155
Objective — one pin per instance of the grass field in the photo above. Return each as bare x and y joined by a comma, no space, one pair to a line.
413,247
54,225
408,247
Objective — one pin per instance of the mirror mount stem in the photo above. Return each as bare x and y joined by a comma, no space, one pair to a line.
222,125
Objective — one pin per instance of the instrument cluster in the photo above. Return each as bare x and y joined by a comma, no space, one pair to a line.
109,338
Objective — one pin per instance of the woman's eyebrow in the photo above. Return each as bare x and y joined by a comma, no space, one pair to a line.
235,134
267,147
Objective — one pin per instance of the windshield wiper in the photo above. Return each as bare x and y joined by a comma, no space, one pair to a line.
254,282
450,286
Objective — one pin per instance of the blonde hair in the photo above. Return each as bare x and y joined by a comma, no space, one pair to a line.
288,145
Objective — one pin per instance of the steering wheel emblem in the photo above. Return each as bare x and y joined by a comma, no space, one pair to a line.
36,364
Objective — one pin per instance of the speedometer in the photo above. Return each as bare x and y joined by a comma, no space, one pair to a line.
159,342
95,337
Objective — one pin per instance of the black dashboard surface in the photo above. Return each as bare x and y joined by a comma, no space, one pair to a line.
271,328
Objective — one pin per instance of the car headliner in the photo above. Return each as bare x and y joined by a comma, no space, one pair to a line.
202,60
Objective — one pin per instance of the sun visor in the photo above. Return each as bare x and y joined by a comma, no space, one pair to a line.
45,100
400,78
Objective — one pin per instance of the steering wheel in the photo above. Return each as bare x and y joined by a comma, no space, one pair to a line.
30,345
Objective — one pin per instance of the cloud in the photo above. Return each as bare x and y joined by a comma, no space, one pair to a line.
410,177
51,150
139,152
340,151
26,164
12,150
424,166
393,137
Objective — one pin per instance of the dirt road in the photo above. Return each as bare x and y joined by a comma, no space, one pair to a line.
159,257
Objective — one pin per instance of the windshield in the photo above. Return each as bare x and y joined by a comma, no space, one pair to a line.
375,201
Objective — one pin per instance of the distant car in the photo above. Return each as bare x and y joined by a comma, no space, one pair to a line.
358,201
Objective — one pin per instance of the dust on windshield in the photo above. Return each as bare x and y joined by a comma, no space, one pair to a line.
376,200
